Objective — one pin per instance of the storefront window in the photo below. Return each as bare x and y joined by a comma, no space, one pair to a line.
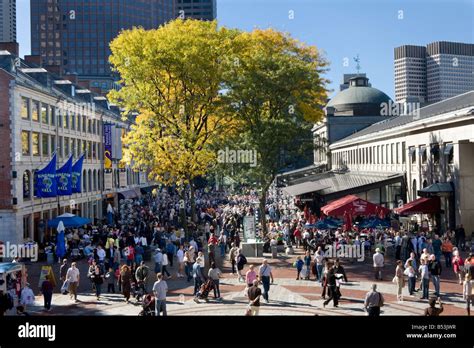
25,143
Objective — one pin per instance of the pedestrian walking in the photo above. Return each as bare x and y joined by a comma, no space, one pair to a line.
435,273
241,261
164,266
379,260
447,249
73,278
307,265
468,292
126,282
425,279
411,274
373,302
458,265
399,280
299,263
265,275
250,276
214,274
254,293
158,260
160,288
141,276
234,251
110,278
333,291
97,278
47,292
198,278
180,257
319,262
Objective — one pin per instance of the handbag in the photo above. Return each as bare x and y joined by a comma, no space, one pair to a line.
64,287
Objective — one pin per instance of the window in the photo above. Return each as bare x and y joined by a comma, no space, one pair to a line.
44,113
35,142
382,157
26,185
53,116
449,153
73,121
35,111
53,143
25,108
412,155
435,155
66,119
83,124
423,155
89,150
66,146
44,144
25,143
403,153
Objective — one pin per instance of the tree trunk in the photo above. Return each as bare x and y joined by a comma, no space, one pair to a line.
193,202
263,216
182,212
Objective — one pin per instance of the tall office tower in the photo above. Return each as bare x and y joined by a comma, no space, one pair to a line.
74,36
438,71
196,9
7,20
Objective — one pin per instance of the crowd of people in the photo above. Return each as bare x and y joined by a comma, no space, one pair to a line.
151,229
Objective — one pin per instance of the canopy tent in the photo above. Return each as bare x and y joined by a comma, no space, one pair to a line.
69,221
353,205
420,206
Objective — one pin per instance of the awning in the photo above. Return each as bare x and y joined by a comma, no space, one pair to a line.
438,189
354,205
129,194
305,187
420,206
334,182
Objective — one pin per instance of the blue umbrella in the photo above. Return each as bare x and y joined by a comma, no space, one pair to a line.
69,220
374,223
110,215
60,241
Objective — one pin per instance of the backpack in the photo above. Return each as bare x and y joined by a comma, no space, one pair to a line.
242,260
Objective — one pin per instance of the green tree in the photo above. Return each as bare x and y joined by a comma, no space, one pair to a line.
275,90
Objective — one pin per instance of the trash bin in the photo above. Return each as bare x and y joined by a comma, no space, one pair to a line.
274,251
49,258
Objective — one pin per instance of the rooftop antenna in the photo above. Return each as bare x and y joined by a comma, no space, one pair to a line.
357,60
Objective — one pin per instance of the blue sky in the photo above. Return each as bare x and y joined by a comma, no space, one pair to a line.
340,28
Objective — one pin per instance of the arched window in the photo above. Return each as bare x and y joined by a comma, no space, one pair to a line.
414,194
425,183
94,180
90,180
84,180
26,185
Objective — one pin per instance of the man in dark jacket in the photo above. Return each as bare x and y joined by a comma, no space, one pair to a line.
4,303
332,286
435,271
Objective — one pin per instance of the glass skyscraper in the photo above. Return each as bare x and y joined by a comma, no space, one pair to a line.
74,35
196,9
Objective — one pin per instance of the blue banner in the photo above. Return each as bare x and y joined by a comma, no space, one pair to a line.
45,180
63,178
77,175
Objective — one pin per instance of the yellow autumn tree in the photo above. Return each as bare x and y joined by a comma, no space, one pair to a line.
172,76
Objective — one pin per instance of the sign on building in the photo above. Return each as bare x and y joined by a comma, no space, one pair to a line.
108,180
107,146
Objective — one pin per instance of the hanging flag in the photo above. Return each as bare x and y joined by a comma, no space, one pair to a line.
63,178
45,180
77,175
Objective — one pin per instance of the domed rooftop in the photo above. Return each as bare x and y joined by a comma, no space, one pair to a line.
358,99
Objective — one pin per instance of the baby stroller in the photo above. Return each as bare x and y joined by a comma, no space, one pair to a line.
138,290
205,289
148,306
